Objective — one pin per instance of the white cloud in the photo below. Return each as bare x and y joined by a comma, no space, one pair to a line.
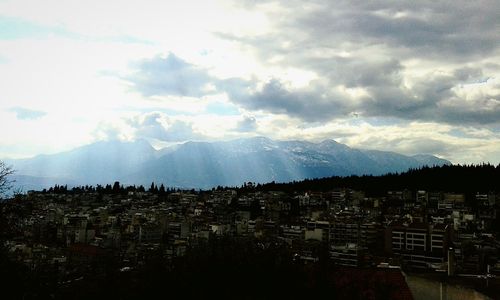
418,77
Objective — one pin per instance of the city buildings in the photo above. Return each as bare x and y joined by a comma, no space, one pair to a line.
411,229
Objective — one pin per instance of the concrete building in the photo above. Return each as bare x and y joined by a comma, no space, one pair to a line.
419,245
350,255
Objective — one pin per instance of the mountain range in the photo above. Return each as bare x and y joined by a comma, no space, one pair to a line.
208,164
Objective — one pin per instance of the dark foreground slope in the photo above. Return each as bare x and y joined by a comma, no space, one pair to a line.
222,269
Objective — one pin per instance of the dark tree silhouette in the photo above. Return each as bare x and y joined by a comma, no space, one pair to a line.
154,188
116,187
5,181
449,178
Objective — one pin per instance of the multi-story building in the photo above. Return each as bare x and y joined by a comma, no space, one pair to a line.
178,230
343,232
370,235
292,233
421,197
321,228
350,254
419,244
449,201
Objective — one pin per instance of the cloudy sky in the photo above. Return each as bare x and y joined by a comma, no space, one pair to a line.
405,76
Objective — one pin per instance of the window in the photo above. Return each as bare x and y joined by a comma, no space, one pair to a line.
415,241
397,240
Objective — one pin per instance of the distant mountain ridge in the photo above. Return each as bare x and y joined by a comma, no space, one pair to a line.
208,164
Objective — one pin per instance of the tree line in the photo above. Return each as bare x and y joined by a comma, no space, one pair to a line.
467,179
116,188
448,178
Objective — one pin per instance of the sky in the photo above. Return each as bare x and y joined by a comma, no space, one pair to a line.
414,77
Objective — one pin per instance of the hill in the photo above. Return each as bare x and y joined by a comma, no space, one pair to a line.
208,164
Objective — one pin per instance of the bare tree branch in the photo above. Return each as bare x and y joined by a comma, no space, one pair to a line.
5,181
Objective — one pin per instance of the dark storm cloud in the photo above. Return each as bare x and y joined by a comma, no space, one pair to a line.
430,99
356,72
378,36
311,104
443,29
169,76
314,103
358,45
